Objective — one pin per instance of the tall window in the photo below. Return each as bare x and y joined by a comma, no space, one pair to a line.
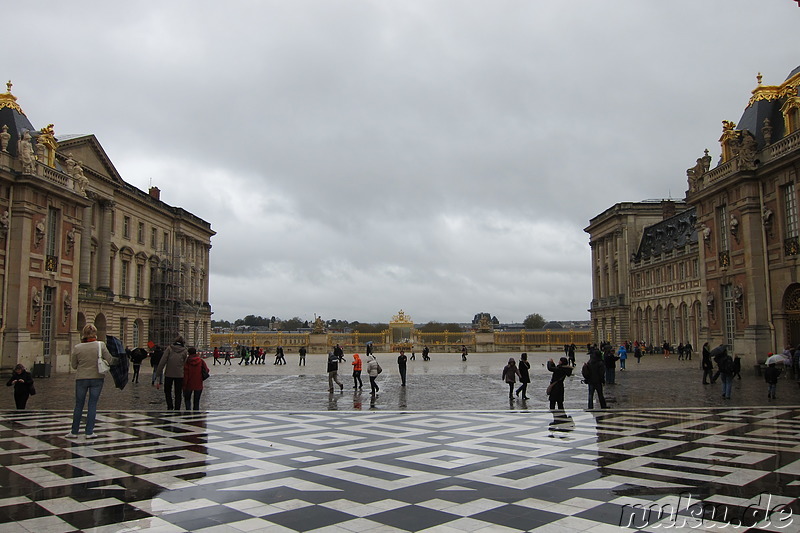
47,323
139,276
790,210
730,315
123,277
136,334
123,328
140,233
166,242
51,252
126,227
722,224
153,238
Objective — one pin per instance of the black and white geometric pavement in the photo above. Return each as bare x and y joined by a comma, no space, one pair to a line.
441,471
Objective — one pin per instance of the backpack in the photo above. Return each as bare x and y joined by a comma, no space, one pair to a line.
727,366
586,371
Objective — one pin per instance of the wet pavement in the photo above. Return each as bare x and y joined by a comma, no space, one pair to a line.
444,383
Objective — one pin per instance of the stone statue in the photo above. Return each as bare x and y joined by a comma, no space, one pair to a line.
40,233
766,131
766,218
4,138
319,325
80,180
705,231
70,240
706,161
25,152
747,148
710,301
4,223
734,224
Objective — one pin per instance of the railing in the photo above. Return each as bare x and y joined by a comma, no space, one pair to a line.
723,170
355,342
261,339
445,341
782,147
51,174
548,338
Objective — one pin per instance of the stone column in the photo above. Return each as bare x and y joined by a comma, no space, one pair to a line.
86,247
104,250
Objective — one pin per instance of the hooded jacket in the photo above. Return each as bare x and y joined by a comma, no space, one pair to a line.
172,361
193,373
356,363
372,366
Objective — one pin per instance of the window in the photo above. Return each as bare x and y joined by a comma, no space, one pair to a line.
682,271
47,323
722,224
51,251
136,334
166,242
126,227
153,238
123,328
140,233
123,278
790,210
139,276
696,268
730,315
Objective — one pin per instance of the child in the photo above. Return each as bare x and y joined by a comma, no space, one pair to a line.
771,375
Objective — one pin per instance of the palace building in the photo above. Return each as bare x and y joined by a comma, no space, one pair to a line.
724,267
80,245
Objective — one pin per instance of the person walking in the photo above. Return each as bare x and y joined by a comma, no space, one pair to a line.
425,352
463,352
637,353
687,350
279,359
193,371
524,376
137,357
155,358
401,367
333,372
707,365
338,352
373,369
171,366
771,375
22,381
227,358
737,366
88,380
594,375
622,353
725,366
571,354
556,388
357,383
510,375
610,361
302,352
216,356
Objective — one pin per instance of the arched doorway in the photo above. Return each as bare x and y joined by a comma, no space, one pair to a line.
100,324
81,321
791,306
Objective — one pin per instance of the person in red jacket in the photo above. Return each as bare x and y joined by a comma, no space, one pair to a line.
357,384
193,379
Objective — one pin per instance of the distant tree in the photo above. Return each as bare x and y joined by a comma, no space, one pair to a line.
292,324
220,324
534,321
369,328
438,327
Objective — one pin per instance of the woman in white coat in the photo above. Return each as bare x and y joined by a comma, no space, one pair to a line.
372,372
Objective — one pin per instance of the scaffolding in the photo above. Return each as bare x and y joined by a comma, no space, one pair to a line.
165,288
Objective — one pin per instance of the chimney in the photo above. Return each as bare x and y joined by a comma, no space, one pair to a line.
667,209
155,192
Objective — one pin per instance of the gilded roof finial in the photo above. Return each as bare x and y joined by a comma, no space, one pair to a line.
758,78
8,86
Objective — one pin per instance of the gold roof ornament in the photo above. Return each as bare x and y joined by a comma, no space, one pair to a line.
774,92
9,100
401,318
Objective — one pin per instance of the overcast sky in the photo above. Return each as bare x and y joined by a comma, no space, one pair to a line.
357,158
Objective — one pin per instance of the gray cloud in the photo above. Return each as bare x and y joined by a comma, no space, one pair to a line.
356,158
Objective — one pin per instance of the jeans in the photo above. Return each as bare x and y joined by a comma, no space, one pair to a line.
523,389
622,364
333,376
402,370
136,369
770,390
727,383
169,384
610,373
599,388
187,395
83,386
357,379
373,384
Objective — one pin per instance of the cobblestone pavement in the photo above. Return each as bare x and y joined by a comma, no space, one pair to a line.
444,383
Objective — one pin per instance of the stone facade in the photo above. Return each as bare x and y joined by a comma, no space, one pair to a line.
80,245
733,278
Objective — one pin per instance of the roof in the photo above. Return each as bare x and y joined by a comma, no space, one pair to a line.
669,234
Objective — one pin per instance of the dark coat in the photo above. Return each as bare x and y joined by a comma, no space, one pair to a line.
560,373
771,374
21,389
597,370
524,375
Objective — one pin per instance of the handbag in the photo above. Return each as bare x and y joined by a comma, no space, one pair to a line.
31,389
102,364
379,369
204,373
550,389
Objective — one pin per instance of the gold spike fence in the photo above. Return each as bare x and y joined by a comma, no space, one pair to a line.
445,341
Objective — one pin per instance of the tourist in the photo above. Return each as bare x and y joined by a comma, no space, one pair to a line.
333,371
227,358
302,352
524,376
771,375
88,380
22,381
556,388
725,369
707,365
510,375
155,358
622,353
594,376
571,354
637,353
171,366
610,361
425,352
687,350
680,351
193,379
463,353
137,357
401,367
216,355
665,348
279,359
737,366
339,353
373,369
357,383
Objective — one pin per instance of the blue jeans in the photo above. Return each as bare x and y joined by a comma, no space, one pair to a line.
94,387
727,383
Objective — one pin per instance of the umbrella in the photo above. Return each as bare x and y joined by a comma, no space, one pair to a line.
777,358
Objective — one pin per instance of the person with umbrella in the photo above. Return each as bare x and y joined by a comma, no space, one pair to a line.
771,375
